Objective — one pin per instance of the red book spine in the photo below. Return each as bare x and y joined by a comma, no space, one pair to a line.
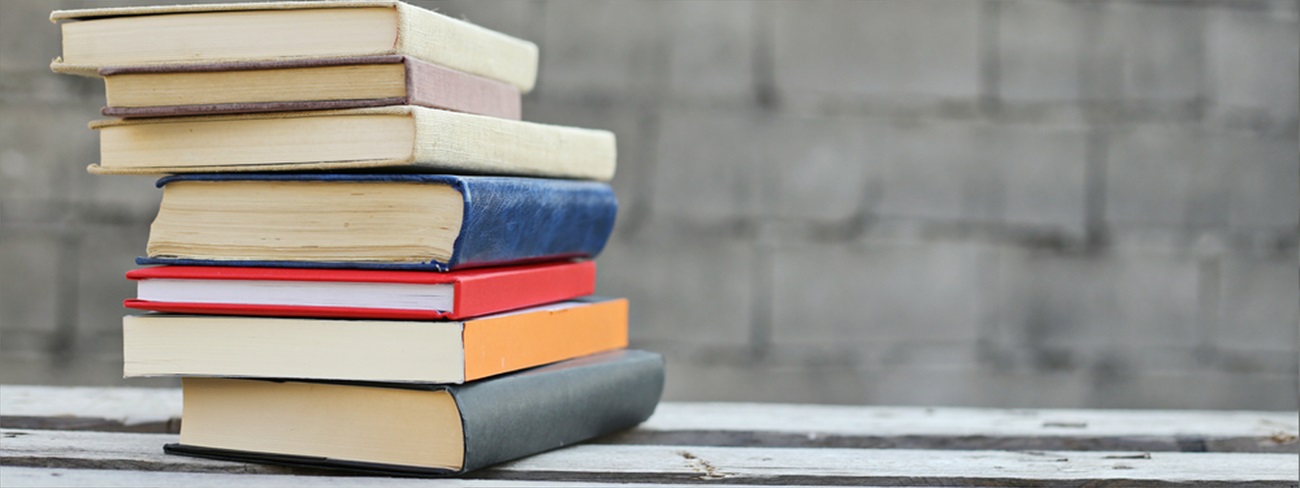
482,295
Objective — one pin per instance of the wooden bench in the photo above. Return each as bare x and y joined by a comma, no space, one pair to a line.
114,436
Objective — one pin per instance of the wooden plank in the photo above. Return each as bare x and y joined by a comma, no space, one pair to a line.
727,465
86,408
771,425
777,425
111,450
15,477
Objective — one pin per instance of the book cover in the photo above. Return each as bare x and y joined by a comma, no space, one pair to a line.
266,31
493,421
404,138
172,90
371,350
291,292
504,221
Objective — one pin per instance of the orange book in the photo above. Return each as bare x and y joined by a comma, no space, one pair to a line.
371,350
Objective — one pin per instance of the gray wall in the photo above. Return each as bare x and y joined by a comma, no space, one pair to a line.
999,203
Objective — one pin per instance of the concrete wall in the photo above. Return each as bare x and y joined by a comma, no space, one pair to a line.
1000,203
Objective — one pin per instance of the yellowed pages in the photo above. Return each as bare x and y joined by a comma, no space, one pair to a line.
284,221
397,350
348,82
342,422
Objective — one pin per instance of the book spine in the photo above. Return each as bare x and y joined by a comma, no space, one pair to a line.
425,34
479,295
532,219
503,343
434,86
553,406
473,144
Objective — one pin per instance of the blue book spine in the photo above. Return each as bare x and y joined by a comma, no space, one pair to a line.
507,220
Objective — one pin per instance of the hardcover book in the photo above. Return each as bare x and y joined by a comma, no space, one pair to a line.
370,350
301,84
406,138
357,294
129,36
419,430
432,222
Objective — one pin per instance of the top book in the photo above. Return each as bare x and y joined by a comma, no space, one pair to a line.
234,32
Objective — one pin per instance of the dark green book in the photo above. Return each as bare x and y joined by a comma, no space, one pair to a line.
420,430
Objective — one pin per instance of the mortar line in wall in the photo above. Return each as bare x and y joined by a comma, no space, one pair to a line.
649,123
1209,272
764,74
990,62
65,317
639,208
760,330
1095,157
537,9
1095,160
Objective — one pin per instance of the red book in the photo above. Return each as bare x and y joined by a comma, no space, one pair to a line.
356,293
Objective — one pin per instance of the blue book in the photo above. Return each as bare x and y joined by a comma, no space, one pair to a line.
388,221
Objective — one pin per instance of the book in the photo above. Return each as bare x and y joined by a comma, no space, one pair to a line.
406,138
386,221
129,36
301,84
357,294
370,350
418,430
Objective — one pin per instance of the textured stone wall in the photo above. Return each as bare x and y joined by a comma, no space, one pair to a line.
998,203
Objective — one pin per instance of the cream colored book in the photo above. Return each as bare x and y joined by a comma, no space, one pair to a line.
407,137
391,351
303,84
238,32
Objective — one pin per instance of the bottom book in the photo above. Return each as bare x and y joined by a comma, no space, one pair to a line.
418,430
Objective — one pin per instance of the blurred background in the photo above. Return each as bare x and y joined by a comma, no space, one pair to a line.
985,203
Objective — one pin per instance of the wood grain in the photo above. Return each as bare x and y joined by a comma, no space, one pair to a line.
776,425
771,425
725,465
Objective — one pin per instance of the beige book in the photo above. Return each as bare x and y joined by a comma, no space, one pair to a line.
302,84
390,351
408,137
237,32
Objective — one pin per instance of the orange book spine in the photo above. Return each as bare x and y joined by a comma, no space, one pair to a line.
512,342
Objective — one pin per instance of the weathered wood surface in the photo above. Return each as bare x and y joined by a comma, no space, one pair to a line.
51,449
85,408
16,477
732,424
736,424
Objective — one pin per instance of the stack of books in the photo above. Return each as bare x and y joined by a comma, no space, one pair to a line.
363,258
